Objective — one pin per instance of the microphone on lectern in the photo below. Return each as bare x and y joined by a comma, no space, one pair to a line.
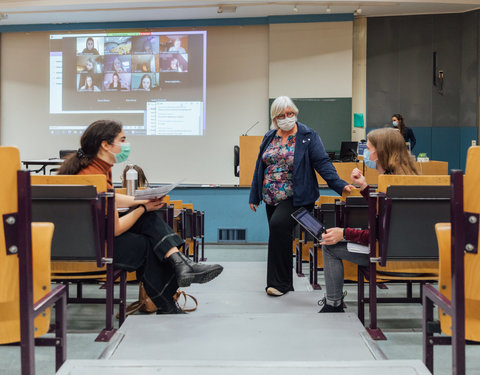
251,127
354,154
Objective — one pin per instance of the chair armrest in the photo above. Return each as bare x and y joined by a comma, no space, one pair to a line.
443,230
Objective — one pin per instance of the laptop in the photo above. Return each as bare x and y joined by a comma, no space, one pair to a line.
309,222
349,151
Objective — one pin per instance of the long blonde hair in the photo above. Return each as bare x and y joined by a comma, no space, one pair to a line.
392,152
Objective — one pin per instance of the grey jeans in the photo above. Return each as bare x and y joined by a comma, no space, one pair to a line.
333,268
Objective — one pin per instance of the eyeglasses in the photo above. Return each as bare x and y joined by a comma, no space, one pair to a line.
283,115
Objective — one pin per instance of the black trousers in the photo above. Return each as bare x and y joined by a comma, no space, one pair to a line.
279,260
142,249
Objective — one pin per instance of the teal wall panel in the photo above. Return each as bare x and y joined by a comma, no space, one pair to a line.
228,208
423,135
446,146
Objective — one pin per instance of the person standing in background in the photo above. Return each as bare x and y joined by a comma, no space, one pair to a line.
398,123
285,180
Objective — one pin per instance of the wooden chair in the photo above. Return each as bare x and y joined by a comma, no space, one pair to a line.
458,295
25,288
77,268
393,223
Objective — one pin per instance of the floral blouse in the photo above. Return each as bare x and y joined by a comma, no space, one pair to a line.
278,175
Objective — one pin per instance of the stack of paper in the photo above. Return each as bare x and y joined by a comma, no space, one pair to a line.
154,193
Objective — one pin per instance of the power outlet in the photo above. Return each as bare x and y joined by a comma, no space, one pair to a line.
474,142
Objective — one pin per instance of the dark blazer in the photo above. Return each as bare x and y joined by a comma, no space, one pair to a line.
309,155
409,137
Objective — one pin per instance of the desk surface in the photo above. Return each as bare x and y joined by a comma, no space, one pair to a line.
42,162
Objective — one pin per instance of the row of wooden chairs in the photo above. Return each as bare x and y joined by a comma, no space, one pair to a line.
189,223
401,218
26,296
402,232
458,294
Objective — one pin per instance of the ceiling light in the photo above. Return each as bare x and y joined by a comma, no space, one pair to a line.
328,9
359,10
295,9
226,9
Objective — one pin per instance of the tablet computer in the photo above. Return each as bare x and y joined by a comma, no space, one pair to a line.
309,222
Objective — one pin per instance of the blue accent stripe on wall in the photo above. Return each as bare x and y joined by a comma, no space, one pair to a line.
448,144
302,18
228,208
424,141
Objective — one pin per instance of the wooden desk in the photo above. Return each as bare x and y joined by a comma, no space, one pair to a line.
250,146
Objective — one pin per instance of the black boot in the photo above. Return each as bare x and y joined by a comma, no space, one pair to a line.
188,272
328,308
170,307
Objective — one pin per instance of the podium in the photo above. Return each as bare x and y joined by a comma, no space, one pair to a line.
250,146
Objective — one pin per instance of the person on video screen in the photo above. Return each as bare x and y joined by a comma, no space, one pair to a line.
147,47
90,49
117,65
145,83
116,83
90,66
177,46
88,84
175,65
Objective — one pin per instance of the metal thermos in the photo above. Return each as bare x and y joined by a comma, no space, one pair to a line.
132,180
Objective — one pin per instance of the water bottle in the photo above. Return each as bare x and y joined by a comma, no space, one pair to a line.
132,180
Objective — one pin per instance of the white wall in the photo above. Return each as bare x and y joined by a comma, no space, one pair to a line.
311,60
245,66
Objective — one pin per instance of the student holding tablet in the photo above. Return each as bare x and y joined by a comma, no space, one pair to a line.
386,148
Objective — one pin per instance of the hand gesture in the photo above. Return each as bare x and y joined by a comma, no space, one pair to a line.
358,178
333,236
154,204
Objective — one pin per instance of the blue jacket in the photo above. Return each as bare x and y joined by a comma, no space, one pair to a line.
309,156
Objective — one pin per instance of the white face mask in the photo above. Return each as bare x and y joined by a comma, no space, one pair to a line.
287,123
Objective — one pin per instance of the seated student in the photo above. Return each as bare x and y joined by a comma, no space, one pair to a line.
143,241
142,179
386,151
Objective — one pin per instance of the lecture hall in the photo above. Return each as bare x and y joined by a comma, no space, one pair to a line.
230,187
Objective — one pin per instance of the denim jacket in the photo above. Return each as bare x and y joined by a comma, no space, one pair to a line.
309,155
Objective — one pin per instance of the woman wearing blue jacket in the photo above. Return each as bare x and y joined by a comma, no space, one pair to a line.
285,180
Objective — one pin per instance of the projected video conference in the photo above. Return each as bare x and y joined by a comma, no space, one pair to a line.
153,81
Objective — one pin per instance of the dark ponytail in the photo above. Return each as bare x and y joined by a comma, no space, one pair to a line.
401,123
90,142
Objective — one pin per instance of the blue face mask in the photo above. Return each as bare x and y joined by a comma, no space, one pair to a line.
367,161
124,152
395,123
